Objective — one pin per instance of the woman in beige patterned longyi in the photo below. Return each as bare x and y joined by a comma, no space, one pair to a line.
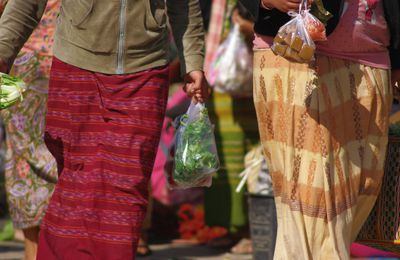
324,126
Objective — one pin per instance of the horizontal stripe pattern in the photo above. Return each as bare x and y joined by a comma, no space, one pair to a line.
103,131
324,131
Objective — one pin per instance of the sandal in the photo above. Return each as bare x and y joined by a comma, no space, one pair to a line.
223,242
244,246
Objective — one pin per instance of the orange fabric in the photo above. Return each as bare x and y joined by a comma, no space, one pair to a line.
324,133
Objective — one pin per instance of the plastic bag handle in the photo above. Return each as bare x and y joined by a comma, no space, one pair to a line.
245,174
201,105
183,120
303,3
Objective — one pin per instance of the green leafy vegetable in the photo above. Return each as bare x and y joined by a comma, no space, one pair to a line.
11,89
195,155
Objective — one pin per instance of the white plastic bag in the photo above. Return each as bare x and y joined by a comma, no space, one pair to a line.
256,173
231,69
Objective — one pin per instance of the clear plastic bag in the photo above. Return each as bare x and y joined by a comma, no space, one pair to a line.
195,153
231,68
293,40
315,28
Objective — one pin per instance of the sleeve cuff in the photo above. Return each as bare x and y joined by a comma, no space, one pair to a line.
192,63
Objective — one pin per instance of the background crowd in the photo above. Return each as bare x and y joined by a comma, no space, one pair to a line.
323,131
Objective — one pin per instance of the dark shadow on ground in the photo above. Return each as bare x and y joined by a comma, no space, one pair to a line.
173,252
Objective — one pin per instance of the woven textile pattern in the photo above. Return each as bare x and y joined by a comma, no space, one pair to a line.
103,131
324,132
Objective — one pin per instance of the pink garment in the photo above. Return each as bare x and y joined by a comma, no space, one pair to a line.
359,250
214,31
159,187
262,41
360,36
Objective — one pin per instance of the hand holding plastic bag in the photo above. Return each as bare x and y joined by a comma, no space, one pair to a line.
231,69
196,157
294,39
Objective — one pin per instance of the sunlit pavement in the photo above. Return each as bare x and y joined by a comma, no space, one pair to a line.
11,250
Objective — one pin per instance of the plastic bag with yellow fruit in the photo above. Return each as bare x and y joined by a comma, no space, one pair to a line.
293,40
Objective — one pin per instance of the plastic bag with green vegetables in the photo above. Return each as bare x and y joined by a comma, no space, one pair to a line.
11,89
196,158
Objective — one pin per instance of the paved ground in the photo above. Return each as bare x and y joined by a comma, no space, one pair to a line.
14,251
11,250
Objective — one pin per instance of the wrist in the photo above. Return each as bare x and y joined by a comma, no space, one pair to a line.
266,5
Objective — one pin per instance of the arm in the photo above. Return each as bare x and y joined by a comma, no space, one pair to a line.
19,19
246,27
282,5
187,27
252,6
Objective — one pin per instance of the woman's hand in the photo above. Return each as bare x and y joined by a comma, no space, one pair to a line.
196,86
283,5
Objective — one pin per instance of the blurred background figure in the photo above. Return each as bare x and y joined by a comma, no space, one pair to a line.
30,170
236,133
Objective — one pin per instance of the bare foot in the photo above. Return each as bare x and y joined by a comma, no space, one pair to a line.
243,247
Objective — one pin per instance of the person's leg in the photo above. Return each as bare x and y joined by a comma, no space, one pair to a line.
31,236
30,171
324,134
104,131
143,248
19,235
